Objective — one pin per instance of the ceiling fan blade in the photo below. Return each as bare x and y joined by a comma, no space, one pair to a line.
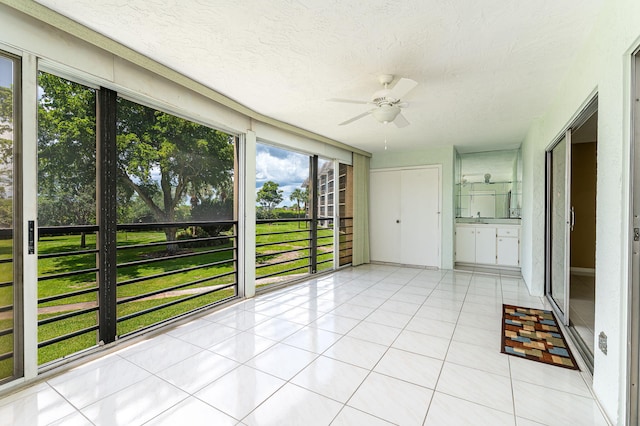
348,101
357,117
401,121
402,87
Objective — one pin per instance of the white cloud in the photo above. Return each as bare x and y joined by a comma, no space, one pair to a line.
288,169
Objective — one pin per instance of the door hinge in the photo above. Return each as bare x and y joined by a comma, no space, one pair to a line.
636,234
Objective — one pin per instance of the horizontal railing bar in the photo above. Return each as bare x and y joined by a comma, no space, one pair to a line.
302,219
68,253
177,256
67,336
67,274
163,225
67,315
6,284
67,295
307,230
173,302
282,242
177,287
177,271
281,252
273,274
9,260
177,242
282,262
6,331
52,231
325,245
6,308
6,356
324,261
6,232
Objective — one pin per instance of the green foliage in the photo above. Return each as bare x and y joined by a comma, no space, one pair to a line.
270,195
66,152
300,196
163,159
163,154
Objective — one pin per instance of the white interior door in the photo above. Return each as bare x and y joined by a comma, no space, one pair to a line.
420,221
405,216
384,217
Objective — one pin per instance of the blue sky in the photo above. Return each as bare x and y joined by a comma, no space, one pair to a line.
6,72
287,168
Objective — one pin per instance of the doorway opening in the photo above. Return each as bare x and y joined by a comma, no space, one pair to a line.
571,228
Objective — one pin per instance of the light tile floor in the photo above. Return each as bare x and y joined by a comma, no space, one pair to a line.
371,345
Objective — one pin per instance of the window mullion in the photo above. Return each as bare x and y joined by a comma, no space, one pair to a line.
106,170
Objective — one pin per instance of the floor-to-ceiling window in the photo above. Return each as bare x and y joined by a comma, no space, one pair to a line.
9,339
295,195
177,228
137,216
325,196
67,234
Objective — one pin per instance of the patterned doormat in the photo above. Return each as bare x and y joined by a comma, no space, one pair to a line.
534,334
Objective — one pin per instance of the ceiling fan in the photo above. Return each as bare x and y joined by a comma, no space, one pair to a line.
388,102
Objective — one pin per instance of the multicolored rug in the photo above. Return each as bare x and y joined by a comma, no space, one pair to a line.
534,334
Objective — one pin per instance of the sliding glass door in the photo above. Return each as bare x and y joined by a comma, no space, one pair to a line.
559,223
10,362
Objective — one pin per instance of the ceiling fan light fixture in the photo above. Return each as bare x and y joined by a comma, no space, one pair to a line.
386,113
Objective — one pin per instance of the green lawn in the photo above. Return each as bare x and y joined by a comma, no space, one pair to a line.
149,283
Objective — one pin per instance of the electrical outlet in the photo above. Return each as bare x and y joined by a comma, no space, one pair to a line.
602,342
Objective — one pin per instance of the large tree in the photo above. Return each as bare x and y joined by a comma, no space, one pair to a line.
269,196
167,155
66,152
163,160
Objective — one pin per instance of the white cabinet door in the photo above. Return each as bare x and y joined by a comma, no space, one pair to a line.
486,245
420,222
465,244
508,251
384,216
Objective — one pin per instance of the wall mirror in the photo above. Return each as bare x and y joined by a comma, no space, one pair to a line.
489,184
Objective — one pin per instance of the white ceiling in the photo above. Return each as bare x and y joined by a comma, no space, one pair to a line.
486,68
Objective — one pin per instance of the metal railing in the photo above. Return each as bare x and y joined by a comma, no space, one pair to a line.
287,249
6,305
345,250
196,271
156,280
67,290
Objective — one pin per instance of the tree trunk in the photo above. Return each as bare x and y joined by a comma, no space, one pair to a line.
171,236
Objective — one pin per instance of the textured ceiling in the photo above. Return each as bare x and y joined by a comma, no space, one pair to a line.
486,68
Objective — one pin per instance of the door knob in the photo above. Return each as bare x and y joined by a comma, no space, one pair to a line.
398,221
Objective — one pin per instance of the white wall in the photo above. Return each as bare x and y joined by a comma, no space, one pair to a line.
445,157
603,66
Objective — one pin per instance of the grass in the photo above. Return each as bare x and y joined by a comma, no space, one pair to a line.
146,273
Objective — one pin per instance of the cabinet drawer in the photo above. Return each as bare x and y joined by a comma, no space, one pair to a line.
507,232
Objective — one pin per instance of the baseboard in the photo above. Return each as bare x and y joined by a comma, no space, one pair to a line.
589,272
